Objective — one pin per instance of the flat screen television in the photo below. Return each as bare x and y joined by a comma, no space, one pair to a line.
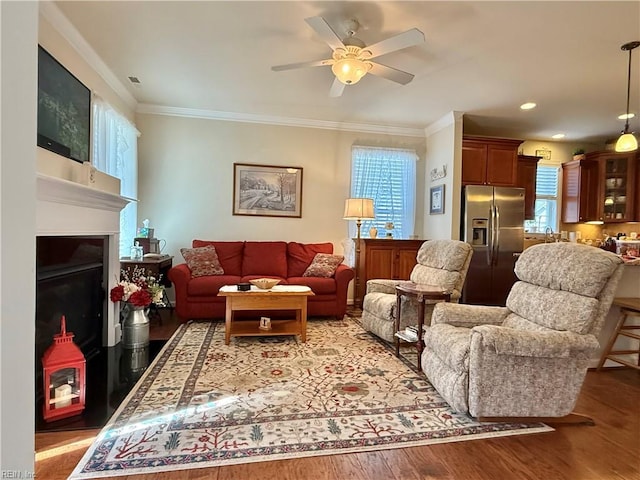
64,110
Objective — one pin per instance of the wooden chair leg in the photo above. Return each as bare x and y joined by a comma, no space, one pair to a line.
571,419
612,340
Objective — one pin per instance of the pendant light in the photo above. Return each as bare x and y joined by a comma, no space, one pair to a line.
627,141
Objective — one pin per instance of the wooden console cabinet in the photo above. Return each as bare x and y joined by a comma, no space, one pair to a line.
384,258
490,161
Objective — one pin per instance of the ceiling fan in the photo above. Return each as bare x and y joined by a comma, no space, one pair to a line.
351,59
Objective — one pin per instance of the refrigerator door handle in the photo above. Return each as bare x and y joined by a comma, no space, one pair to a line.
490,240
497,236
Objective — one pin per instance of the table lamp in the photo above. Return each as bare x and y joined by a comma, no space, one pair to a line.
358,209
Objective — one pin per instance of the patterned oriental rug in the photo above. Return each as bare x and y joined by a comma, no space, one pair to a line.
204,404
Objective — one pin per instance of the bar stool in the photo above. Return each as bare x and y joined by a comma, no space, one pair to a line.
629,307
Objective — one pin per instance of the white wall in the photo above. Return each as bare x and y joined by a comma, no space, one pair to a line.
19,22
444,150
186,178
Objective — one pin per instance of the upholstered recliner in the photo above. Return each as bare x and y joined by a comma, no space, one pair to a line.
440,262
527,359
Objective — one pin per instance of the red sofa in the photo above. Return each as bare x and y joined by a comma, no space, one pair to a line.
244,261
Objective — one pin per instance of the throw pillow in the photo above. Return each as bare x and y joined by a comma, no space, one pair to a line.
202,261
323,265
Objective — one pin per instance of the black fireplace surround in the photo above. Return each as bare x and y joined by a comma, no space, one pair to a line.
69,282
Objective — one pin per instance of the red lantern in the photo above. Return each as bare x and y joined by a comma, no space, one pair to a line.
64,377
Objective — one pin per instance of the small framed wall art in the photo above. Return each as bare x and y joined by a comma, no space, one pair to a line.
436,202
544,154
267,190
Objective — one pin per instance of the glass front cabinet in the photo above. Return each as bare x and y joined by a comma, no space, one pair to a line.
617,186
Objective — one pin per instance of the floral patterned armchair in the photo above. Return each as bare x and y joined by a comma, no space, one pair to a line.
527,359
440,262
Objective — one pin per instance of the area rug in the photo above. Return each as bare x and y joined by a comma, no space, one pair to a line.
204,404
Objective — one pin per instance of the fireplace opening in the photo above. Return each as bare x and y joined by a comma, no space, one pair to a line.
69,282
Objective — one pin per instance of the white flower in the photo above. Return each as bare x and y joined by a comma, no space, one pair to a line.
129,288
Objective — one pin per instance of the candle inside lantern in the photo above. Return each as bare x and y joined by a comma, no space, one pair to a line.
61,392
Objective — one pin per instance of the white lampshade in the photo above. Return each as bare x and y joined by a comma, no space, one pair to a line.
358,208
627,143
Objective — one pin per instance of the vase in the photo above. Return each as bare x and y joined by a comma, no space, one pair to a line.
373,232
135,326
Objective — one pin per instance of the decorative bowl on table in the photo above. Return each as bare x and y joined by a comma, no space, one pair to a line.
265,283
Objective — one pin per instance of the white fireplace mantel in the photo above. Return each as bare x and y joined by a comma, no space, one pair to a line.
59,198
66,208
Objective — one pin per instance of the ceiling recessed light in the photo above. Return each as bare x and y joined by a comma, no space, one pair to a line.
624,116
558,136
527,106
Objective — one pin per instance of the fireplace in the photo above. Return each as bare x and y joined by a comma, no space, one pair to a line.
70,282
77,264
78,227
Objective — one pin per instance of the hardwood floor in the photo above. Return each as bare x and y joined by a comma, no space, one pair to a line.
608,450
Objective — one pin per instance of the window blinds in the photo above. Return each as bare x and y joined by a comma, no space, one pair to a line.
388,175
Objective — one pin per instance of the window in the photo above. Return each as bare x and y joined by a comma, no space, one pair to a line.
546,207
115,152
388,175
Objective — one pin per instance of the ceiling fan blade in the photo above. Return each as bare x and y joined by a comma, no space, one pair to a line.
398,42
313,63
336,88
323,29
390,73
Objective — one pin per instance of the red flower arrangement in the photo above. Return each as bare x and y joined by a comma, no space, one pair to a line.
138,290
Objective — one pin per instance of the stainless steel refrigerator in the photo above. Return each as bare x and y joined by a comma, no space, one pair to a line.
493,223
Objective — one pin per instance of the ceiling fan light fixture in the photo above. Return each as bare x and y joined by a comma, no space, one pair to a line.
350,70
627,141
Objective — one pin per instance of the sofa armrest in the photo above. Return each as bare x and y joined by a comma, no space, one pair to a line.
462,315
383,285
525,343
344,274
180,276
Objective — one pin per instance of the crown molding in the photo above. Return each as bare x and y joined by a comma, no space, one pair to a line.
145,108
62,24
449,119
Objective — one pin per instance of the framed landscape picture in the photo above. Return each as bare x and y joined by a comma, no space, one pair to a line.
267,190
436,204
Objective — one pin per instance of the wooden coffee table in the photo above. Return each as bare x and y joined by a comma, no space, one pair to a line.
280,297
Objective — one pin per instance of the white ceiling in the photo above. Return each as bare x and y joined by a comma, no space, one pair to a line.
480,58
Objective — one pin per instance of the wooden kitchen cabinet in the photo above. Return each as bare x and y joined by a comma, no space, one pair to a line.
527,170
580,191
616,187
385,258
490,161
